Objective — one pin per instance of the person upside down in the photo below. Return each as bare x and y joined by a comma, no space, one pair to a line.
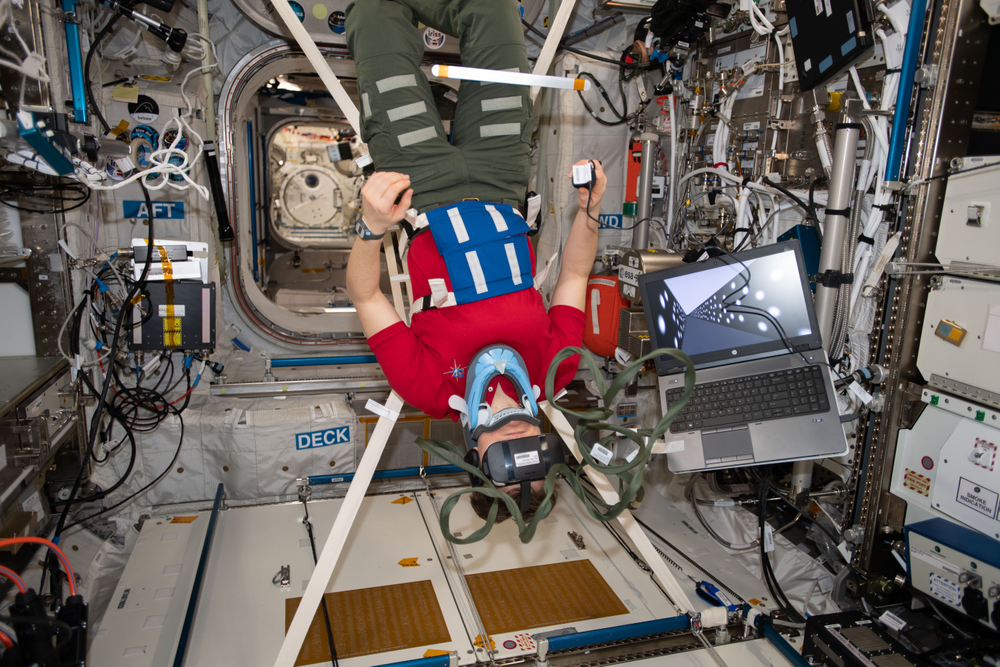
480,340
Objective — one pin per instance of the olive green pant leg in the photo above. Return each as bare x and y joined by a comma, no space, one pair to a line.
399,119
493,121
490,156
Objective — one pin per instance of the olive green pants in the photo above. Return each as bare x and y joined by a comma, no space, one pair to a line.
488,156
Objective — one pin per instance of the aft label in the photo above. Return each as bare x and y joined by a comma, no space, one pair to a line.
162,210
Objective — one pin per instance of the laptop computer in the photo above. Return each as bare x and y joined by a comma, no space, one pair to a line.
763,393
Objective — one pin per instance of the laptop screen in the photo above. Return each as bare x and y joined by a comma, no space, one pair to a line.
737,307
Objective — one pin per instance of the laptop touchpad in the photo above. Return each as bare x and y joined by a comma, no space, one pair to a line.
725,444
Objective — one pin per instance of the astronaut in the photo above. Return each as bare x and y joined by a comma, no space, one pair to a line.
471,264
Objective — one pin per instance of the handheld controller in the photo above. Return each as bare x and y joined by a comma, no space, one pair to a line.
584,175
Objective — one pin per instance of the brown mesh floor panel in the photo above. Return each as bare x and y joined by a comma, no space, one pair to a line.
532,597
373,620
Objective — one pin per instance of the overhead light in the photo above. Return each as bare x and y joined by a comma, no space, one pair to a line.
512,78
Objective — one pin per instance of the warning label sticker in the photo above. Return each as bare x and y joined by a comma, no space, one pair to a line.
977,497
944,589
917,482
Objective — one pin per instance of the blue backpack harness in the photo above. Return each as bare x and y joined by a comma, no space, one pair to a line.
485,250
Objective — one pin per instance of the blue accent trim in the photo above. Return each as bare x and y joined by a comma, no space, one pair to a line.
266,197
784,648
482,371
384,474
794,27
52,153
826,64
199,578
322,361
433,661
254,251
848,46
901,113
618,633
75,56
970,542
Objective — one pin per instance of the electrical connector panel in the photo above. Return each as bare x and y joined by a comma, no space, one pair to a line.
957,567
174,315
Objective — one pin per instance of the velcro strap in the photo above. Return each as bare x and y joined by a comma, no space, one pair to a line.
381,410
849,126
439,297
417,221
846,212
866,239
533,209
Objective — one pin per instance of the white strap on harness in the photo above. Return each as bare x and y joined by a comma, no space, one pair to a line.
543,274
534,208
440,297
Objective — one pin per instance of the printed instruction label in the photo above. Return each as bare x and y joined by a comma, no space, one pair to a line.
917,482
944,589
178,310
977,497
891,621
934,561
755,125
601,454
526,459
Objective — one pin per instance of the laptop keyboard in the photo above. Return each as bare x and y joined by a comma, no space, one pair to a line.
755,398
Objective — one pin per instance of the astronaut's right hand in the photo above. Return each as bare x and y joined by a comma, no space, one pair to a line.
379,196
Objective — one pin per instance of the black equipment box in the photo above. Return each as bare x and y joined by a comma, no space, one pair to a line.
828,37
851,639
174,314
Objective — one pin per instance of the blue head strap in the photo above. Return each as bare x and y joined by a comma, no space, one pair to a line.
489,363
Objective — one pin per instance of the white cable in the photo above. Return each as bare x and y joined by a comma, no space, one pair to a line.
160,159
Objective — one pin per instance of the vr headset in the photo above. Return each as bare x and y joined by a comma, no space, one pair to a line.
519,461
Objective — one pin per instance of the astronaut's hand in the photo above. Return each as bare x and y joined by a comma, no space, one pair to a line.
596,191
378,200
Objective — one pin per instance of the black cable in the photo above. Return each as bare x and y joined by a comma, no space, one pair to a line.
95,424
58,190
810,213
621,117
87,85
961,171
141,491
765,562
14,621
579,52
809,517
326,613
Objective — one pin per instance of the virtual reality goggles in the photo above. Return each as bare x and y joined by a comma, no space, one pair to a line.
519,461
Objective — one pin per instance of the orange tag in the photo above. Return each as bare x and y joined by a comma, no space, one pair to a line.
754,601
432,652
409,562
183,519
402,501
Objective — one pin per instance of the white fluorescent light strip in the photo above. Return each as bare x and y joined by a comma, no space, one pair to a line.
513,78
